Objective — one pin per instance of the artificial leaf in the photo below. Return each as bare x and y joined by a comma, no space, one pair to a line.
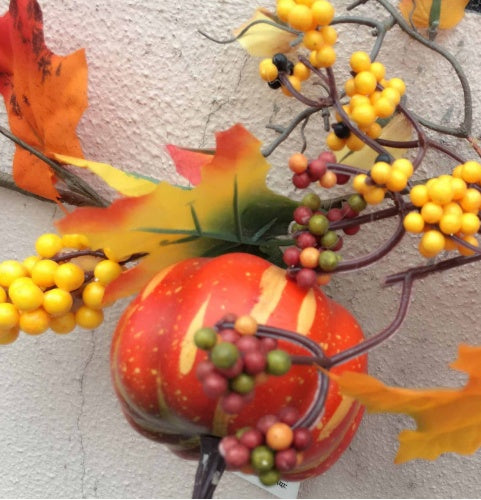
128,184
45,95
398,129
189,162
262,39
448,420
231,209
452,11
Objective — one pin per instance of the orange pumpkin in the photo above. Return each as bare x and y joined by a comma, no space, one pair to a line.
154,358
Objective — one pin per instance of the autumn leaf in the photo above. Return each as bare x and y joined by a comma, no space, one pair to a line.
263,39
231,209
189,162
448,420
45,95
451,12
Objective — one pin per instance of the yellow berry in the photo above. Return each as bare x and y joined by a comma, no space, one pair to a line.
93,295
322,12
397,84
268,70
381,172
3,295
301,71
25,294
413,222
57,301
384,107
10,270
69,276
107,271
365,82
359,183
300,17
374,130
360,61
459,188
89,318
329,34
374,196
397,181
313,40
325,56
364,115
392,95
9,336
450,223
246,325
350,87
34,322
452,208
431,212
471,172
375,96
29,262
419,195
472,241
63,324
470,223
358,100
457,171
8,316
48,245
295,83
283,9
378,70
440,191
75,241
432,242
404,165
354,143
471,201
333,142
43,273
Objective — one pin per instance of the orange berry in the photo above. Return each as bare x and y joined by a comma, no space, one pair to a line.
279,436
328,180
309,257
245,325
298,163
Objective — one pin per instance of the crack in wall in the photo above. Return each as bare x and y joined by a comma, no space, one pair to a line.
81,412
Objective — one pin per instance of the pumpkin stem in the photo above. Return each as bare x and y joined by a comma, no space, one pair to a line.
210,468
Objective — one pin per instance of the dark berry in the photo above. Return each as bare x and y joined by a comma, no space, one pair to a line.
351,231
341,130
290,67
342,179
386,158
280,61
275,84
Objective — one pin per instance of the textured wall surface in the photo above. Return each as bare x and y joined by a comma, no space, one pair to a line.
153,80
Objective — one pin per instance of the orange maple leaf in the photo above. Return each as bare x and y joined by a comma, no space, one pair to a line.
45,95
448,420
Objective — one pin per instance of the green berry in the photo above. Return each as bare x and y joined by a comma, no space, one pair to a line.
278,362
312,201
205,338
270,477
318,224
330,239
224,355
357,202
328,260
297,227
262,458
242,384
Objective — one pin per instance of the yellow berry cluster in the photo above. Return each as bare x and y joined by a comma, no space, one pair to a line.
45,291
367,102
383,177
312,17
447,205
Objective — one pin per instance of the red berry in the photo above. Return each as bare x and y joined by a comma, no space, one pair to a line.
268,344
306,240
328,157
248,343
348,211
229,335
289,415
214,385
306,278
286,460
316,169
302,215
237,456
342,178
301,181
252,438
203,369
226,443
351,231
232,403
291,256
233,371
338,245
255,362
265,422
335,214
302,438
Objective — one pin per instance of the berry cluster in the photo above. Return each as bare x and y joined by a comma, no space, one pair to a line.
45,291
237,357
371,97
384,176
447,205
270,448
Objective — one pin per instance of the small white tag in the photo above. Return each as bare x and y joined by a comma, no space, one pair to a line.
283,489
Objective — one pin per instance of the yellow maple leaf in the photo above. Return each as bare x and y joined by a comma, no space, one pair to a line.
263,39
448,420
452,11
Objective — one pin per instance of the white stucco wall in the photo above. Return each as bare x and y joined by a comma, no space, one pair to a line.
153,80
